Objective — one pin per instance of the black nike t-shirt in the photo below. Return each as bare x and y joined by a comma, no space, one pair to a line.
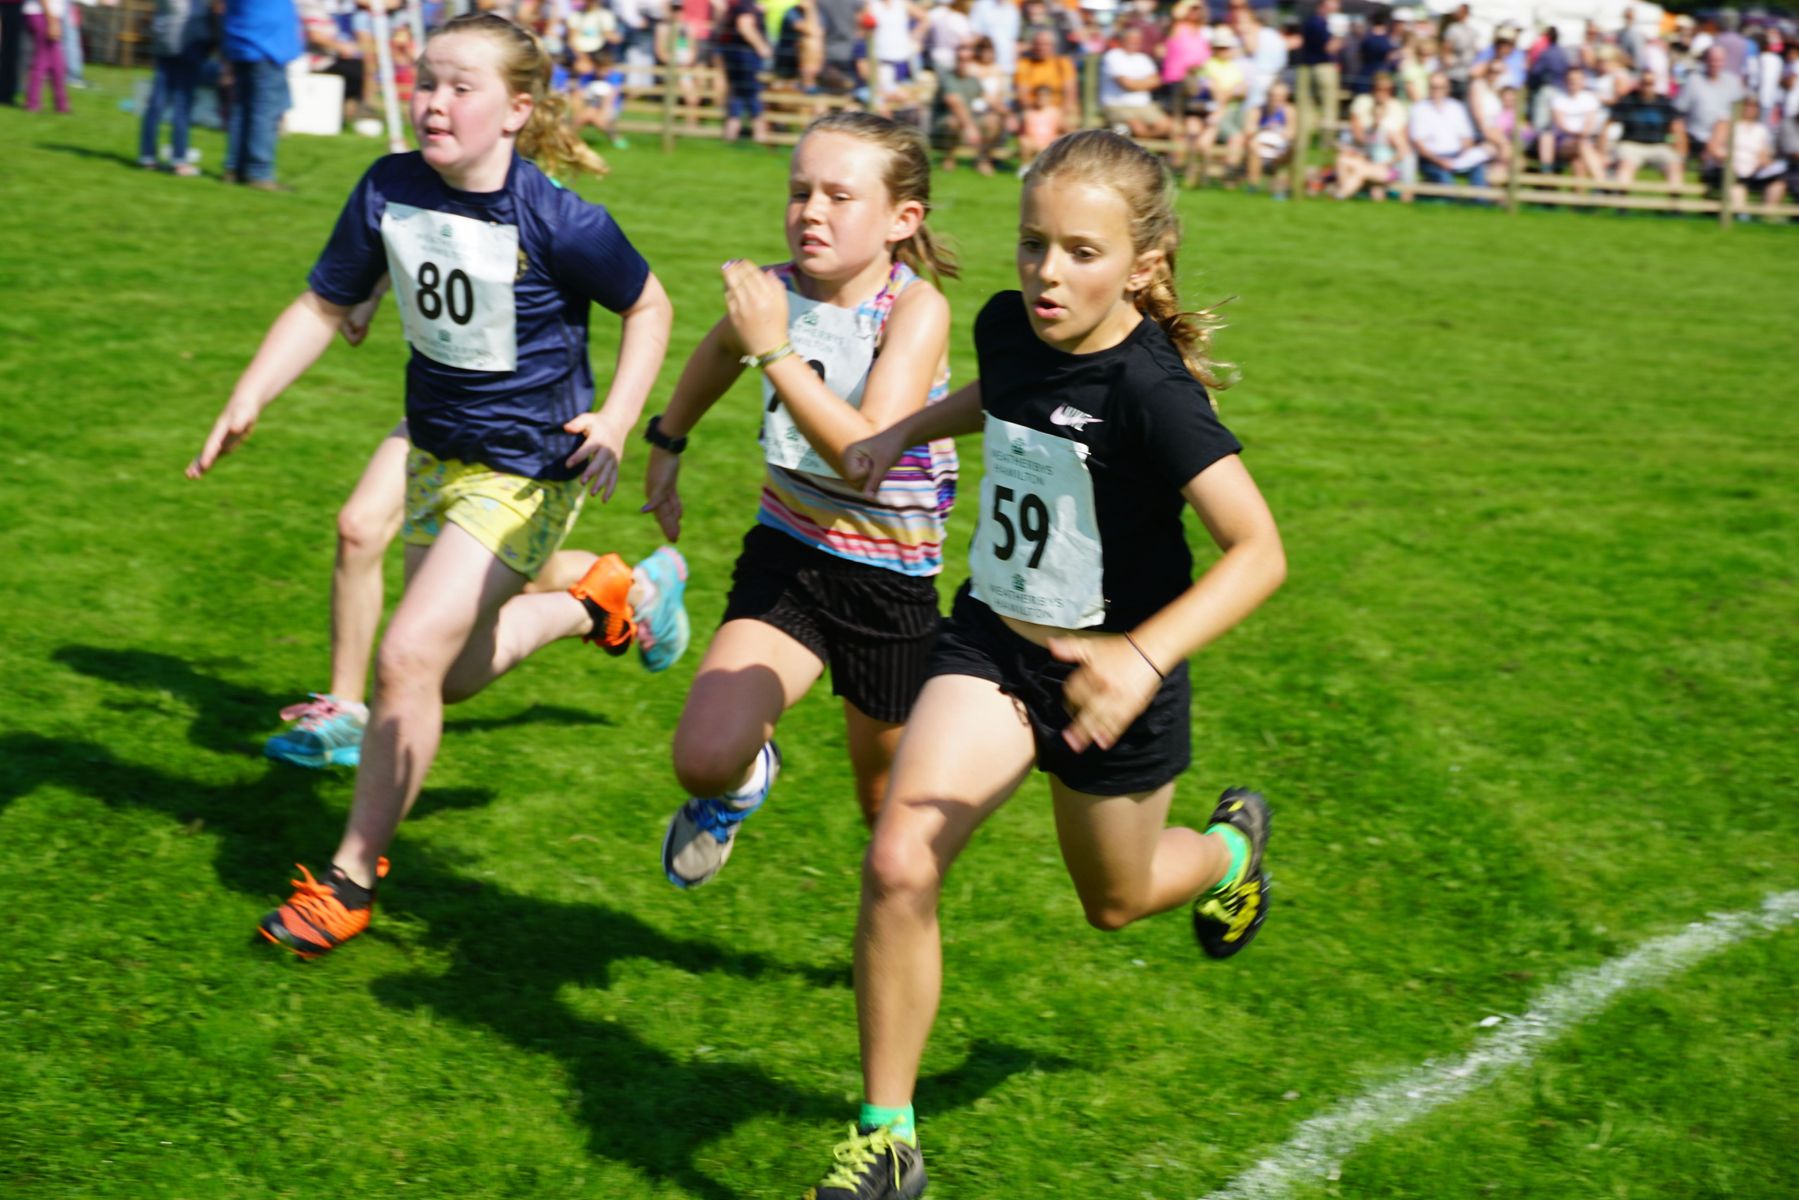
1148,428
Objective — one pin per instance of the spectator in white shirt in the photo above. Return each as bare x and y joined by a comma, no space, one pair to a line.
1266,51
1444,137
1002,23
1127,76
1753,165
1576,119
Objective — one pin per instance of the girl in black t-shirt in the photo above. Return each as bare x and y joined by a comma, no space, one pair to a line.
1067,649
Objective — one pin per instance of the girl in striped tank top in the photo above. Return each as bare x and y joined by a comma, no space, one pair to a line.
849,339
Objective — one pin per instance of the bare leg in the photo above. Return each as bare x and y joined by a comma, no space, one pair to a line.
964,752
752,673
455,590
563,571
366,525
1125,864
872,745
523,626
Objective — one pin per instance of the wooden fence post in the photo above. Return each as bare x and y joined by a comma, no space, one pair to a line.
1302,134
668,108
1727,175
1515,151
1089,91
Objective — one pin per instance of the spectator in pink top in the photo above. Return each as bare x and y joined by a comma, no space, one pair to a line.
1188,44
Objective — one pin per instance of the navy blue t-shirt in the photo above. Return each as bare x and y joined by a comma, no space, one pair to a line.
1315,41
493,290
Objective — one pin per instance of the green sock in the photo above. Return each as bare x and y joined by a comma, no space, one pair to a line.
897,1121
1233,837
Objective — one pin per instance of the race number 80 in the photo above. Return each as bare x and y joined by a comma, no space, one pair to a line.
457,297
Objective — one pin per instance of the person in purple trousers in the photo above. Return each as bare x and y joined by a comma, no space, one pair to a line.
45,20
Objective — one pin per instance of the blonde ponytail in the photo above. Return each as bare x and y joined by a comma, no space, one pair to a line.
1102,157
908,177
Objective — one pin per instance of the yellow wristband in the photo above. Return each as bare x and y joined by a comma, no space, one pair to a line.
762,361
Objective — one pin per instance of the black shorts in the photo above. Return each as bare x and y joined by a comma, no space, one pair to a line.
874,628
1155,749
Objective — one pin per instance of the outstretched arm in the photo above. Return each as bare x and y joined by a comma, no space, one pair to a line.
292,344
868,461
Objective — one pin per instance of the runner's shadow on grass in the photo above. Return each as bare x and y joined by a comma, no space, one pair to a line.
537,714
233,719
516,958
513,959
258,824
513,956
124,160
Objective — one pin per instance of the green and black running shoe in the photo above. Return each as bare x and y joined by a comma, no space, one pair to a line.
872,1164
1226,919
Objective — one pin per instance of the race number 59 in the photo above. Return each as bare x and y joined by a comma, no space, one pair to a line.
1033,523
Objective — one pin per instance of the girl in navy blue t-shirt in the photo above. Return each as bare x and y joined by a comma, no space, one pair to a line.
1067,650
494,266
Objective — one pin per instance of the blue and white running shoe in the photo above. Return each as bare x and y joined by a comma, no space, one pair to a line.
326,732
663,630
702,831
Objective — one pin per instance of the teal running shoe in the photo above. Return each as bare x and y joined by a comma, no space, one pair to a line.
326,732
663,629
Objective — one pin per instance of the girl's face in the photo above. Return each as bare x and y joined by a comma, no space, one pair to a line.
462,114
840,218
1077,266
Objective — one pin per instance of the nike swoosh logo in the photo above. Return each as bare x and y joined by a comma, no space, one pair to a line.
1074,418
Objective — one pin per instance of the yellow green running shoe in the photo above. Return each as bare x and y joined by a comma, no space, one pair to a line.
1226,918
872,1164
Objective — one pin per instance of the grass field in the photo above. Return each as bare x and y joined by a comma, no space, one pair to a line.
1529,700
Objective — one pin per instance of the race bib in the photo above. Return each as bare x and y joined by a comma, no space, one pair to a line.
837,343
1036,554
453,279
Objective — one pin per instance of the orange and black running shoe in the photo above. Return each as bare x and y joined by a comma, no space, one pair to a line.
606,592
320,917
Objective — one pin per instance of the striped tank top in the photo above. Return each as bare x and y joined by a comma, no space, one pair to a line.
901,528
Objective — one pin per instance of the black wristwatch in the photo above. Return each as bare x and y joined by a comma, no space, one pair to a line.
655,437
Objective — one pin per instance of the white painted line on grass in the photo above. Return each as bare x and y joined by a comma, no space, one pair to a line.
1317,1150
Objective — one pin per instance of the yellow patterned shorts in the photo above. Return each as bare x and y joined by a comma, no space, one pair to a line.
522,521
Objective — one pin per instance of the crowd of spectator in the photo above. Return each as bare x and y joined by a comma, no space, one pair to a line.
1395,95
